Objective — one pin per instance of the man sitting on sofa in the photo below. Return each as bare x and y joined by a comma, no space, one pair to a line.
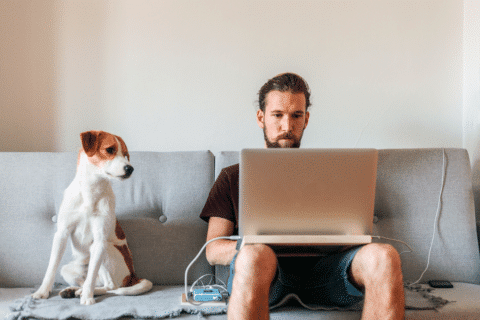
371,272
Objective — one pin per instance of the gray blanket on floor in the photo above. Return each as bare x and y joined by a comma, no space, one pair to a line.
161,302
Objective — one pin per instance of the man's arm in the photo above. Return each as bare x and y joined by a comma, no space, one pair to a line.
220,251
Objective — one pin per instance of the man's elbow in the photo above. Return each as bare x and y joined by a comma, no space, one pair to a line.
216,256
212,258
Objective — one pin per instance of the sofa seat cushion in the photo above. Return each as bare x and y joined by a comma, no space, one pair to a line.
463,297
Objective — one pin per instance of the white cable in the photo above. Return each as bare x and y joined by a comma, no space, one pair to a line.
198,255
221,286
200,280
411,250
436,220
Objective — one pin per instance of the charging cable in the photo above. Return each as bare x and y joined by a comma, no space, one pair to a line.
221,286
198,255
406,244
437,216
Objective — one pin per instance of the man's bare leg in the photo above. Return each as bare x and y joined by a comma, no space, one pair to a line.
377,268
255,269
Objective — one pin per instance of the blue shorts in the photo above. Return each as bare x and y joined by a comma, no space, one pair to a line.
316,281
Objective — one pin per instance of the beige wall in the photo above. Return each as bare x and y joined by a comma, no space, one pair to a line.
183,75
27,76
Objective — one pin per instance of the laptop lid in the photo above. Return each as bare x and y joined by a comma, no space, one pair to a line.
307,192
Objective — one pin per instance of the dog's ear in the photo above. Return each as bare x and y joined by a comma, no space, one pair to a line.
124,147
89,142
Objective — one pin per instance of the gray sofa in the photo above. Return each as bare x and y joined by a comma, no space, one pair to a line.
158,208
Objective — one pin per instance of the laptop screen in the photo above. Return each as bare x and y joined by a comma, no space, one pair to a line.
307,191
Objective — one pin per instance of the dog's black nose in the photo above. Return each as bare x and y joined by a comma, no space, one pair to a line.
128,170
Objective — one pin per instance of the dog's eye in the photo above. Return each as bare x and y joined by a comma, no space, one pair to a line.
111,150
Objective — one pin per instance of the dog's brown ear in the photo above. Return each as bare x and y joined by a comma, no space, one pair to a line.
89,142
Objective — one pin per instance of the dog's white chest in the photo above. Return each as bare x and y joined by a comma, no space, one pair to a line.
82,235
82,200
86,212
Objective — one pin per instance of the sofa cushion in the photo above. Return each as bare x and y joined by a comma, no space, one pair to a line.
171,187
28,183
409,182
158,208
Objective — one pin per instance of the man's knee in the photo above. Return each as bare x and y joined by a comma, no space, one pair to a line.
377,262
256,263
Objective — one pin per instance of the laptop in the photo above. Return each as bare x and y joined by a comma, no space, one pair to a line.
307,197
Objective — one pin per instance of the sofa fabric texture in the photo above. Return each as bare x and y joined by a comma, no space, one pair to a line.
409,183
159,207
172,185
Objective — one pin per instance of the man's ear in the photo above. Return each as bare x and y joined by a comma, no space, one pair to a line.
261,119
307,116
89,142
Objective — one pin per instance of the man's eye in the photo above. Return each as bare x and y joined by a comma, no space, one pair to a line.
111,150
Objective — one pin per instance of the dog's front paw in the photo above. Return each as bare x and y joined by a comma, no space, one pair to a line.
86,299
41,293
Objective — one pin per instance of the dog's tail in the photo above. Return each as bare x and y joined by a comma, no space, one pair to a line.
142,286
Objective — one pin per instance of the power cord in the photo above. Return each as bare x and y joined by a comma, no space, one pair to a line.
437,216
409,248
221,286
198,255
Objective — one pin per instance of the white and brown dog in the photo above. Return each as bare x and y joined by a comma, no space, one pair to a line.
102,260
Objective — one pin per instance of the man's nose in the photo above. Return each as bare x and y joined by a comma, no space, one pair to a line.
287,124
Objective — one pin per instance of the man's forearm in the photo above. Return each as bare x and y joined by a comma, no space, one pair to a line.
220,251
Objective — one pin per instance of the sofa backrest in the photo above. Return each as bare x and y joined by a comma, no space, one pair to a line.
409,182
158,208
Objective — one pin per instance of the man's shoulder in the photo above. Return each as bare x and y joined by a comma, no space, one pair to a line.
232,170
229,175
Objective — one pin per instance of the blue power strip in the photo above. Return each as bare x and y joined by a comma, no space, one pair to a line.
204,295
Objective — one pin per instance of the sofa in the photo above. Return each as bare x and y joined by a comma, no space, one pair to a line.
159,207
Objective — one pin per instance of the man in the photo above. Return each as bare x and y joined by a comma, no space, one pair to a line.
372,272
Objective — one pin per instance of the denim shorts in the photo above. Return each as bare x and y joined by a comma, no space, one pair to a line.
316,281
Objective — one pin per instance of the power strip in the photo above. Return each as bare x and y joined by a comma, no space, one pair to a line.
184,302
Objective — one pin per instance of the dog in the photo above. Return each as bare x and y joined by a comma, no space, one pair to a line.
102,260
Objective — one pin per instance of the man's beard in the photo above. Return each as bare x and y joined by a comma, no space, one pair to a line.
295,143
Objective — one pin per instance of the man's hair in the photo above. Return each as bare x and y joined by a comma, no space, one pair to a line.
285,82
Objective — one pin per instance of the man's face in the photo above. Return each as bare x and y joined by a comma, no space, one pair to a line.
284,119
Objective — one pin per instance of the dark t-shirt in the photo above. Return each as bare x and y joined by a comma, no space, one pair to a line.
222,201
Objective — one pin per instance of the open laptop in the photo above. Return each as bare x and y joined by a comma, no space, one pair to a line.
307,197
